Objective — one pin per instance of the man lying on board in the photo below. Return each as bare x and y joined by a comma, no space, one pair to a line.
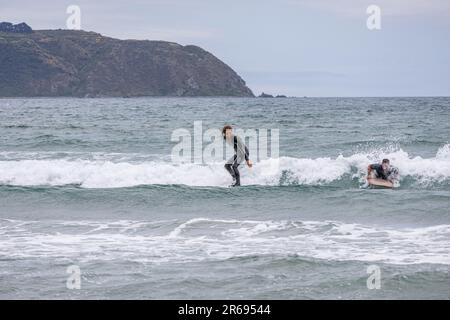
383,174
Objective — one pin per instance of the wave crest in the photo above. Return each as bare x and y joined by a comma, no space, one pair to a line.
113,173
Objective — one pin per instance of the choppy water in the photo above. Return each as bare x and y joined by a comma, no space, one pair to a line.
90,182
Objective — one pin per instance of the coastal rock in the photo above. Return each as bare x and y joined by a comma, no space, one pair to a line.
15,28
87,64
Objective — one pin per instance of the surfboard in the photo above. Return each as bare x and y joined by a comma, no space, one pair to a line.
380,183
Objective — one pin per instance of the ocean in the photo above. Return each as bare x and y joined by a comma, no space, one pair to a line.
92,205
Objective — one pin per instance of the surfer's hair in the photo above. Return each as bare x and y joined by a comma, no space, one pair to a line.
385,161
225,128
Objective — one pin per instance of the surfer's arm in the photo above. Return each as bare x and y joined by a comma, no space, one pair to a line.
247,159
244,151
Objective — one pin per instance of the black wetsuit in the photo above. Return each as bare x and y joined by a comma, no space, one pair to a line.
391,174
240,153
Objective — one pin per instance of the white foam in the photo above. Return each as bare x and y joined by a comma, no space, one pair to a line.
209,239
103,173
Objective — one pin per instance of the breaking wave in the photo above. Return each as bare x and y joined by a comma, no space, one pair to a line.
113,171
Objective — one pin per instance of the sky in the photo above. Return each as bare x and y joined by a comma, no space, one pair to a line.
291,47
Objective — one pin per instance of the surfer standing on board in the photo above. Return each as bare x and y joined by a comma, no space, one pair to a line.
240,154
383,174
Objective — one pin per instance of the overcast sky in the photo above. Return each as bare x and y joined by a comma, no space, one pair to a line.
292,47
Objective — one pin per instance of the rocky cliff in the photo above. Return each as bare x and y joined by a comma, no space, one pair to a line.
87,64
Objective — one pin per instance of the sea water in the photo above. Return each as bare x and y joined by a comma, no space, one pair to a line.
90,183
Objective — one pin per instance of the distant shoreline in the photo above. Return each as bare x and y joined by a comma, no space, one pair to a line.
229,97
